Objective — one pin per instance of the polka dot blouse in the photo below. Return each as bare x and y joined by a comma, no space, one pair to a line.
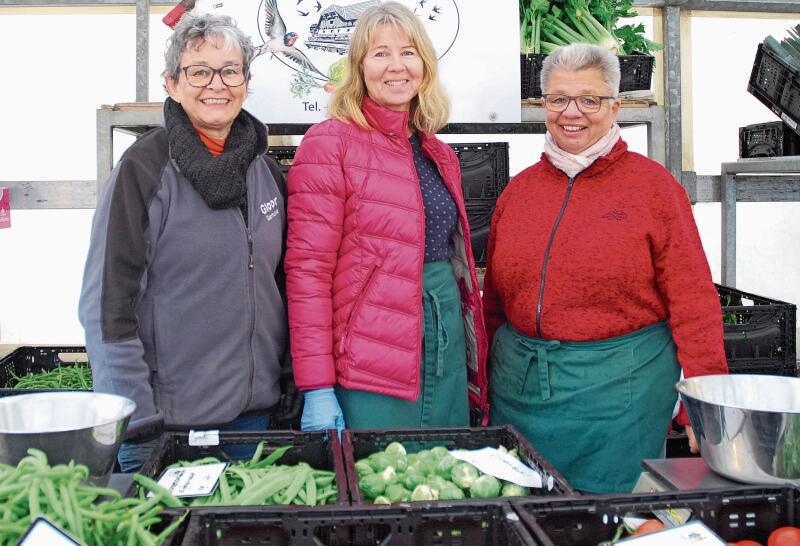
440,209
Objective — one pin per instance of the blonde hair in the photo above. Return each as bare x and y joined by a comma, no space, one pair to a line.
429,110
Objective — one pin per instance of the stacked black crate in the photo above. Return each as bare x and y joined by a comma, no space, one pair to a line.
775,83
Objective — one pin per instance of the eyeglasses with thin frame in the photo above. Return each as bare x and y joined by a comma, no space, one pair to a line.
588,104
200,75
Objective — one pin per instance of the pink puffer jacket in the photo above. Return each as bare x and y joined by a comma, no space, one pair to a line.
354,259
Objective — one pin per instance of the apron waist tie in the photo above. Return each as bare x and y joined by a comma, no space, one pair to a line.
542,367
442,340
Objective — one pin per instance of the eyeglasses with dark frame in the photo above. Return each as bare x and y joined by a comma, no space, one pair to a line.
588,104
200,75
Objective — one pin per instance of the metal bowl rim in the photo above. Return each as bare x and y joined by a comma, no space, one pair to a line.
679,386
72,394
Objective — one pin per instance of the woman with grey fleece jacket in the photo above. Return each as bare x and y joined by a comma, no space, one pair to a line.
183,299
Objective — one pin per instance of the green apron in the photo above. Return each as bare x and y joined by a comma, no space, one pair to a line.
443,391
595,409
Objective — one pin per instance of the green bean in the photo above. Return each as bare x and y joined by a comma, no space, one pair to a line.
311,491
166,497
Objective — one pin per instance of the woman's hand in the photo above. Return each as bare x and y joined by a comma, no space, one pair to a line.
692,440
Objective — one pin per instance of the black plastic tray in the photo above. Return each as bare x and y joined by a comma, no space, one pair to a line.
636,73
321,450
733,514
760,333
463,524
32,359
358,444
774,139
777,85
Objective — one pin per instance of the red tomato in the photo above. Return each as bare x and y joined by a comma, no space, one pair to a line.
649,526
745,543
784,536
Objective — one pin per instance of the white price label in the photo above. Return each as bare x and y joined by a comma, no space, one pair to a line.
501,465
192,481
44,533
199,438
691,534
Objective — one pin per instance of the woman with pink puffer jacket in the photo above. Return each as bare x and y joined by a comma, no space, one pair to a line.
385,314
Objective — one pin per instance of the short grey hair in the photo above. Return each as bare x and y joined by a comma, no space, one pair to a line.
583,57
194,30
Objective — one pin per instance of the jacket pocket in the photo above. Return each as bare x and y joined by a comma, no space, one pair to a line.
344,342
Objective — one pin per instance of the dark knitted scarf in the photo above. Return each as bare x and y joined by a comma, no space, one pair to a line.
220,181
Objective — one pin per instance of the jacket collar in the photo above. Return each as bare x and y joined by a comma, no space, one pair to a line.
600,165
382,119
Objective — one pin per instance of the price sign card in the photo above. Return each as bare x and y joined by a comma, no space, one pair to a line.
192,481
43,533
691,534
501,465
201,438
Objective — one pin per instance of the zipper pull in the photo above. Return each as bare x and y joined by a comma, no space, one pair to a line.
341,342
250,263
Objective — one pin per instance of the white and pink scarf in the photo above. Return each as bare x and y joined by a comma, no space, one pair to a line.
572,164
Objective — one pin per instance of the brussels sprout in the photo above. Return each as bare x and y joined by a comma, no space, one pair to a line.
485,486
436,482
372,485
363,468
445,465
463,474
412,479
399,462
397,493
439,451
425,456
502,449
380,499
411,458
379,461
421,466
513,490
514,453
395,448
450,491
389,475
424,493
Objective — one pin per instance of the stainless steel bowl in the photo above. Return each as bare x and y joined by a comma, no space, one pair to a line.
86,427
748,426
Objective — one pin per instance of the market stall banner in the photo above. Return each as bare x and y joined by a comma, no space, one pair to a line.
301,48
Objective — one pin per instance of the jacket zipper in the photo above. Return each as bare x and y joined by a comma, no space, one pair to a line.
251,291
547,257
343,342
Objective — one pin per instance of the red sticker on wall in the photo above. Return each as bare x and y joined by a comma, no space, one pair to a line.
5,208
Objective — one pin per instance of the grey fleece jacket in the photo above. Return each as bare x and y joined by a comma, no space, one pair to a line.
183,306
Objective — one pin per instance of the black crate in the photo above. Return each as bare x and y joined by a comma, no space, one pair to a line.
636,73
759,333
736,514
34,359
283,156
484,169
321,450
776,84
479,214
774,139
358,444
486,524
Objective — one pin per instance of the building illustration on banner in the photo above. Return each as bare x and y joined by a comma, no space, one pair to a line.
301,47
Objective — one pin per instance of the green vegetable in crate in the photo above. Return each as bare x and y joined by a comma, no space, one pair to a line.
450,491
380,460
485,486
363,468
464,474
412,478
397,493
424,493
445,466
372,485
260,481
76,377
396,448
96,516
513,490
382,500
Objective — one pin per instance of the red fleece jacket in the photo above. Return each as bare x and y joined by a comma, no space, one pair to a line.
625,254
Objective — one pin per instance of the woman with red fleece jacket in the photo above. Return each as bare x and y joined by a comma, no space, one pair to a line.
597,291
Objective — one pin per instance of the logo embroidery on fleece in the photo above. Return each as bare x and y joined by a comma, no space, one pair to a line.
270,208
615,215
